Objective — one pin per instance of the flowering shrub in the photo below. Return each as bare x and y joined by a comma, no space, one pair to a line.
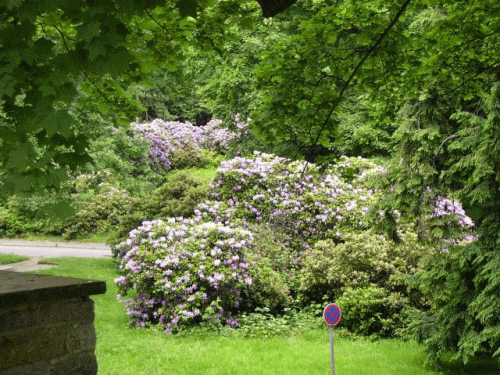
180,268
217,138
328,243
267,187
178,145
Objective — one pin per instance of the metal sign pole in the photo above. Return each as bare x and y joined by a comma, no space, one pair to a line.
332,356
332,315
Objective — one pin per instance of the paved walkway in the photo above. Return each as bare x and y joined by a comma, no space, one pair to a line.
37,250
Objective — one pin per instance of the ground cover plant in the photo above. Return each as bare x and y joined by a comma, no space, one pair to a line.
124,351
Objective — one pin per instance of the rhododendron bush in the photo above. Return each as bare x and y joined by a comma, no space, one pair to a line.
180,268
169,142
270,188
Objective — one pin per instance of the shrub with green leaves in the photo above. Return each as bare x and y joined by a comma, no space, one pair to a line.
361,259
274,270
117,152
20,215
371,310
366,266
177,197
98,211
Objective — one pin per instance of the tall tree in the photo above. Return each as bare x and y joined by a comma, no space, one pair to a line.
432,68
446,87
52,50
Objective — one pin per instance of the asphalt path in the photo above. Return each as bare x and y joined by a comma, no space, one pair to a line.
37,250
54,249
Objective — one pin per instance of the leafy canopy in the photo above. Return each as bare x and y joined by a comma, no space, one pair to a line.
57,56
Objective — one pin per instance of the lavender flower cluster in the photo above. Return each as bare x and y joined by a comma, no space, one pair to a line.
451,219
179,267
451,208
167,138
252,190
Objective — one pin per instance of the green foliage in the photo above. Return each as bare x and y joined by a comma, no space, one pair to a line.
305,78
98,212
10,223
21,215
361,259
275,270
371,310
188,157
456,151
126,157
177,197
368,275
360,134
60,56
173,95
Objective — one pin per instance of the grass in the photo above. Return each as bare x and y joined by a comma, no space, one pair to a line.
130,351
203,174
11,258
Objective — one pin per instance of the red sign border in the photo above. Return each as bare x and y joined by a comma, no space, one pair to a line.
336,307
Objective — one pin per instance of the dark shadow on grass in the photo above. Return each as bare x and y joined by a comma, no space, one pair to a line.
473,367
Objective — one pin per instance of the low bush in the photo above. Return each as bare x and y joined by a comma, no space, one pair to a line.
98,212
177,197
188,157
11,224
30,215
275,270
119,154
361,259
371,310
367,266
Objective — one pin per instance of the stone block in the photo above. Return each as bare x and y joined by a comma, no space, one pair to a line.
46,325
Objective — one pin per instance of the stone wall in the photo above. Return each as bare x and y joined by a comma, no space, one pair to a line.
48,336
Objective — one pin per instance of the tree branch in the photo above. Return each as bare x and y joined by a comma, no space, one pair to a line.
372,49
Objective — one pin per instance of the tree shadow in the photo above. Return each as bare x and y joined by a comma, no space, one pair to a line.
473,367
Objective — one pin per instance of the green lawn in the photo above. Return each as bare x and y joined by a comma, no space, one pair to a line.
122,350
11,258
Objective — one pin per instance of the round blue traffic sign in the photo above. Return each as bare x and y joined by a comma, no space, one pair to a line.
332,314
